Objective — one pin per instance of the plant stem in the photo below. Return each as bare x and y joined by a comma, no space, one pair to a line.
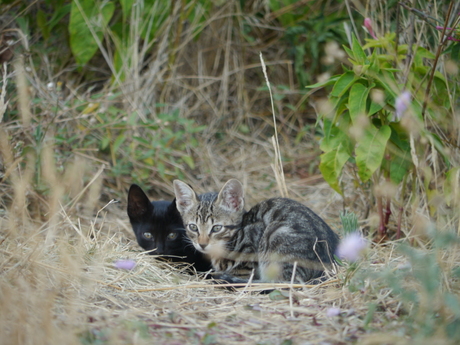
442,42
387,212
382,227
398,31
401,208
398,226
410,52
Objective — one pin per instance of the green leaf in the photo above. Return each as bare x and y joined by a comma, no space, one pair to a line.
332,163
387,81
87,24
453,329
287,342
349,52
400,164
58,14
330,81
333,136
374,107
357,100
440,93
349,222
142,140
372,307
399,136
455,52
161,168
209,339
118,141
105,142
370,150
338,105
189,161
126,6
358,52
422,53
277,295
42,24
371,43
343,84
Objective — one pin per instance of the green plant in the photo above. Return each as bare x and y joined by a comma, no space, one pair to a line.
365,120
378,115
88,30
308,27
161,147
422,285
349,222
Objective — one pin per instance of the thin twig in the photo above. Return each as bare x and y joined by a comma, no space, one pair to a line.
410,53
398,32
278,166
442,42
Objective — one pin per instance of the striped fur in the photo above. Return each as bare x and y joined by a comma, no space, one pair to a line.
273,237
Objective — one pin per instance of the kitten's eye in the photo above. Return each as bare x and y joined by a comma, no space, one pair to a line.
216,228
147,235
172,236
193,227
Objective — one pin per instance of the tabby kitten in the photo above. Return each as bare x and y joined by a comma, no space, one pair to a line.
158,227
273,237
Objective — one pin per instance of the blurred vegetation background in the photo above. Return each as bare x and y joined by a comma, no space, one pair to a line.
143,86
148,91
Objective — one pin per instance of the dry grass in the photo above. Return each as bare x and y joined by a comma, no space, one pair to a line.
65,288
69,290
60,237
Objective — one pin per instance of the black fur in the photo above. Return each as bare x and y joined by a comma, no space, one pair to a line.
158,228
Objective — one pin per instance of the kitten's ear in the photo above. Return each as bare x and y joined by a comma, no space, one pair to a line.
139,205
185,196
231,196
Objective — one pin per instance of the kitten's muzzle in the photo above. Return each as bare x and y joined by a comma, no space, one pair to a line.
203,245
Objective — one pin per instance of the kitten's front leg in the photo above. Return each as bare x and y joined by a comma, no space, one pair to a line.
223,265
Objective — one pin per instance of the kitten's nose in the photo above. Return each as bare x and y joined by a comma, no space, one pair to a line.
203,245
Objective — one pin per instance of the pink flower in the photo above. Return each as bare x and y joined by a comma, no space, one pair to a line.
351,246
368,26
125,264
401,104
449,38
332,312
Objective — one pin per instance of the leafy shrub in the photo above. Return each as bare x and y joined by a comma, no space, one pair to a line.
365,126
308,29
383,114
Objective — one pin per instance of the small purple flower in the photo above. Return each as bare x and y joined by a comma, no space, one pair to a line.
449,38
368,26
125,264
401,104
332,312
351,246
440,28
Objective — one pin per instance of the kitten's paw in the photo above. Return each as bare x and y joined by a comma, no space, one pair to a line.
226,278
228,281
233,283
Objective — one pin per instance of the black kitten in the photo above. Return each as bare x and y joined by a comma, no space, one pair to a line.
158,227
